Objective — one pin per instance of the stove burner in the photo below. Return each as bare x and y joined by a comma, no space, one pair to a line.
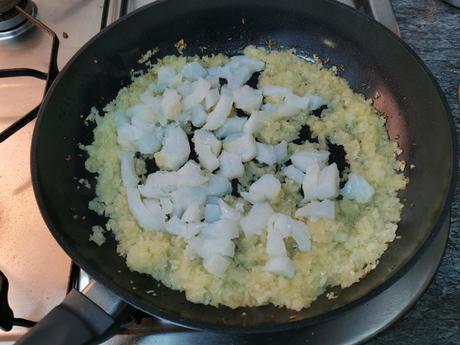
13,23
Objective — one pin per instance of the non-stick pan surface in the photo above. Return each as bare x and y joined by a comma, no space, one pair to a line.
373,59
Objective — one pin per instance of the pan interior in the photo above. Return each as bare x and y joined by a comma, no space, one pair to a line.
372,59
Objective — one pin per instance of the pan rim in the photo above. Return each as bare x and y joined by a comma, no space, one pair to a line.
288,325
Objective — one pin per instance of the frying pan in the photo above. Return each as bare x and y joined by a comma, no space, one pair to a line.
373,60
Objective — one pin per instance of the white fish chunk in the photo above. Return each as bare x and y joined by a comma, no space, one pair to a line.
219,114
166,205
274,90
256,122
175,151
317,209
175,226
211,213
128,173
207,147
171,105
216,265
213,199
192,248
159,184
284,111
315,101
185,88
185,196
151,218
141,111
286,226
243,61
154,208
193,71
247,99
154,112
212,97
294,174
218,185
269,107
231,165
241,69
306,102
310,181
275,244
357,188
150,142
328,183
280,223
281,151
228,212
222,229
127,135
194,213
303,159
209,247
256,219
271,154
279,111
120,118
165,77
267,187
265,154
238,70
298,102
243,145
281,266
200,90
191,175
233,125
301,235
143,129
199,116
191,230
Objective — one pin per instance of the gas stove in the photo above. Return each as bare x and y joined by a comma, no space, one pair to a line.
38,270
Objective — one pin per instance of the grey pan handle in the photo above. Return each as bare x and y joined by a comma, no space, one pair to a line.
380,10
82,318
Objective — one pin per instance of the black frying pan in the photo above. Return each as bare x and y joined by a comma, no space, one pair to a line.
373,58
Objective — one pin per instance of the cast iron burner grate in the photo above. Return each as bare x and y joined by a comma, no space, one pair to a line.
12,21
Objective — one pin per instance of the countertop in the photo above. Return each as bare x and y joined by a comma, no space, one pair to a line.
432,29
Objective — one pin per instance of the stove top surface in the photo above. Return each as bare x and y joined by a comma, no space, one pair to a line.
39,277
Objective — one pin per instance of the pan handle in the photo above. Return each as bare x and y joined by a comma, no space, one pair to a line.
82,318
380,10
